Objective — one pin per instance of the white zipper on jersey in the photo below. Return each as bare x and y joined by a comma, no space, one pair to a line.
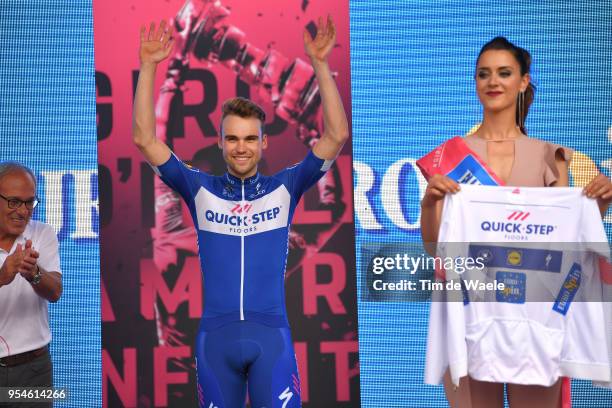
242,262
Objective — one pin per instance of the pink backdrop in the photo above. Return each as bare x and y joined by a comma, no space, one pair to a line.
151,286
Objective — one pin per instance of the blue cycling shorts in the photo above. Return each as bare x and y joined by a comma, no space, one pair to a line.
246,355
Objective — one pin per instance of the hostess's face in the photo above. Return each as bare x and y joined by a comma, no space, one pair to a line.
499,80
242,143
16,185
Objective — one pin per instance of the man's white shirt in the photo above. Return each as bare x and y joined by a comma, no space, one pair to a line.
522,336
24,320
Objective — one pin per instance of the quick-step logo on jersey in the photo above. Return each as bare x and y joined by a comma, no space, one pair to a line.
515,227
263,214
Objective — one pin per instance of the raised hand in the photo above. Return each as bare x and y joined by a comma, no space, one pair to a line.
28,267
318,49
155,46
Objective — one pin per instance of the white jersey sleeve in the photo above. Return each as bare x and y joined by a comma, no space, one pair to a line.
446,347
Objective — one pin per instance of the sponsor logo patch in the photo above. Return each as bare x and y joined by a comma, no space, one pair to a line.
568,289
515,286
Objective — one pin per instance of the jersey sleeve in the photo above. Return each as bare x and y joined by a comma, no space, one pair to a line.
592,234
607,306
436,356
446,346
305,174
178,176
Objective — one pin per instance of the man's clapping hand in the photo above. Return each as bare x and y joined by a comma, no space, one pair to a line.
22,260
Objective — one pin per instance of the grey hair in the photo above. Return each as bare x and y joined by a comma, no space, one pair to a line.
8,167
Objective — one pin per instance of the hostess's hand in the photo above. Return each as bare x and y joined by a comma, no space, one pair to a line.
437,187
600,188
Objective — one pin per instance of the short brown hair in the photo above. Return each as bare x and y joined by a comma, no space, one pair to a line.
243,107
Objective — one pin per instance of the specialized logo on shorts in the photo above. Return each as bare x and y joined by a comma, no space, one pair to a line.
287,393
221,216
285,396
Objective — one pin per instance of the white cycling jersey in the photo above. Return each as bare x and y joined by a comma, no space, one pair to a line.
548,320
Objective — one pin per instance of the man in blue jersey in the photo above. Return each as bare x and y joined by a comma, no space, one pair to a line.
242,220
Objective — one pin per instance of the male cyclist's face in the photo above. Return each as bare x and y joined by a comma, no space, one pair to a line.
15,185
242,144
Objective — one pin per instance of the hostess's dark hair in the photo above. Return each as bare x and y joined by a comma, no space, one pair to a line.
523,58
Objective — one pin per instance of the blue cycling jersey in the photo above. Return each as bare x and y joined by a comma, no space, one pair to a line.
243,228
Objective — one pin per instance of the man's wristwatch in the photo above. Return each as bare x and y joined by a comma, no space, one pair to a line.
36,278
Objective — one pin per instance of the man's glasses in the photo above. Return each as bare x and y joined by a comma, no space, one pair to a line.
15,203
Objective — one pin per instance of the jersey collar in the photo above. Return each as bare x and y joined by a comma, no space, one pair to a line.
237,180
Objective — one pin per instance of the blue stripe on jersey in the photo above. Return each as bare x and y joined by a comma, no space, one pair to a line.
534,259
243,228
